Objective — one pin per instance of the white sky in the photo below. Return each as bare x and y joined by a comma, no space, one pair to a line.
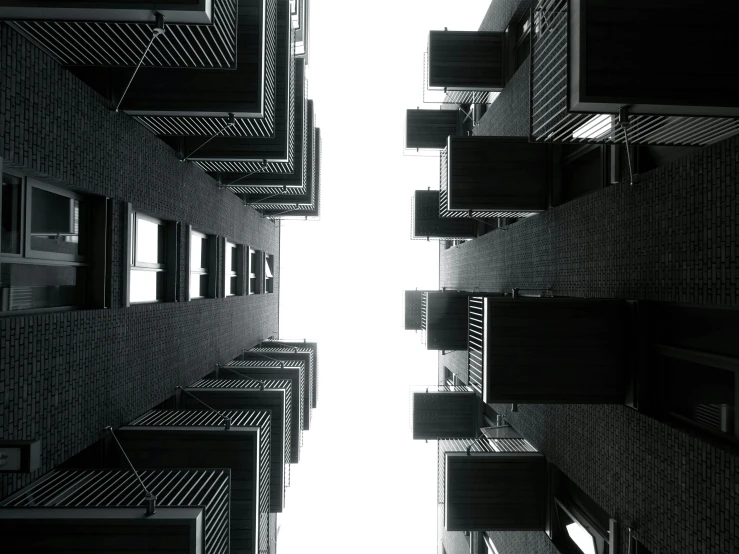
363,485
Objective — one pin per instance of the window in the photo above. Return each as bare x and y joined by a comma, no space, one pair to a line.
269,278
233,269
255,271
151,269
579,525
52,247
202,265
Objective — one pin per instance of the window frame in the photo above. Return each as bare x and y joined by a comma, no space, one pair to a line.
254,271
169,266
210,244
238,253
93,225
269,282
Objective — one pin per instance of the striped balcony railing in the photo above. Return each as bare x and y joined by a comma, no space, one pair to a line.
39,516
248,394
257,367
552,120
287,354
250,170
476,344
107,42
200,435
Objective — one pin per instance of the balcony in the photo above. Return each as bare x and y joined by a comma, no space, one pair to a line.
485,177
199,33
430,128
302,346
100,511
559,350
200,439
267,371
674,72
492,485
427,223
443,412
288,355
247,394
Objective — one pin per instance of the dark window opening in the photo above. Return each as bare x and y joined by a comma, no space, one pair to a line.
52,249
579,525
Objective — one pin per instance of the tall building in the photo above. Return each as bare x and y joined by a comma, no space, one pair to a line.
585,398
148,156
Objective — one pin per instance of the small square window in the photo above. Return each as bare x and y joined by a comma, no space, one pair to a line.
233,269
202,265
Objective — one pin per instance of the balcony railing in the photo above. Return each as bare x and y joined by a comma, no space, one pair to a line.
103,489
551,120
211,419
112,43
476,343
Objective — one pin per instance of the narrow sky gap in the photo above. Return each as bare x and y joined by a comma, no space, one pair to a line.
362,476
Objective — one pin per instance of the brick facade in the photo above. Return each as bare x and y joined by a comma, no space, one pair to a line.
671,237
64,376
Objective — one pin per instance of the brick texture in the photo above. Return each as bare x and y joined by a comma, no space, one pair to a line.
671,237
64,376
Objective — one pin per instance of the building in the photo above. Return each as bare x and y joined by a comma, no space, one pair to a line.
139,283
588,403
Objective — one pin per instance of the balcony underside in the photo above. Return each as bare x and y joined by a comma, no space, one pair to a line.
118,37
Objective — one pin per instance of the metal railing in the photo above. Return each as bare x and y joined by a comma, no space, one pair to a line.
551,120
96,43
476,343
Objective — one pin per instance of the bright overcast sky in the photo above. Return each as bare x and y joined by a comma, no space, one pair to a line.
363,485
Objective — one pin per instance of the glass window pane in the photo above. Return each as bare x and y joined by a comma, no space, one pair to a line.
269,260
197,251
198,285
143,286
147,241
55,222
11,215
230,255
581,537
27,286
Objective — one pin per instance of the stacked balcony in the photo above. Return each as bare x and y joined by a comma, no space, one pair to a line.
492,485
287,355
221,81
672,72
149,485
226,395
108,511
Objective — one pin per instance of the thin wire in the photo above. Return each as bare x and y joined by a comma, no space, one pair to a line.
110,430
225,419
264,356
284,212
266,197
261,382
153,38
226,126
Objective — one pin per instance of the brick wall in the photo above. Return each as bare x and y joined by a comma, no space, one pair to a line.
671,237
64,376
